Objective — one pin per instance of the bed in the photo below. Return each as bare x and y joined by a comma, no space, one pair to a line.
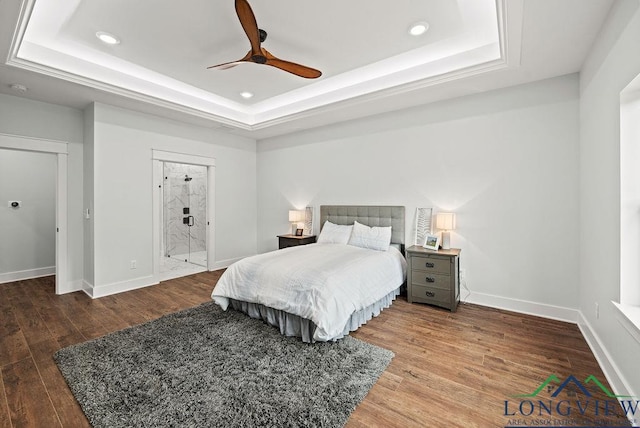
323,291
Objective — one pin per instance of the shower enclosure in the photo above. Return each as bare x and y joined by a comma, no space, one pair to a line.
184,212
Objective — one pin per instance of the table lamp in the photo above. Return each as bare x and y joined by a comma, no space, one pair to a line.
295,218
446,222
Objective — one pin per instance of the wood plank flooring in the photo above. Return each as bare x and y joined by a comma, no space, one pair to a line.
450,369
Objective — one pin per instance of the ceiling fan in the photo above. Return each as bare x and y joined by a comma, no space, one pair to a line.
258,54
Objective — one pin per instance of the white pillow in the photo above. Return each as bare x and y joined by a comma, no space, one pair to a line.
334,234
375,238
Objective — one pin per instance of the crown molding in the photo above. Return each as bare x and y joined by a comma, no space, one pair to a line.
263,116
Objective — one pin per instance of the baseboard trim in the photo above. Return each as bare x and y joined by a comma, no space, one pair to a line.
96,292
27,274
223,264
87,288
74,286
609,368
524,307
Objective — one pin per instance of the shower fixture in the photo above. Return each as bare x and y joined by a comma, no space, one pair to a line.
187,178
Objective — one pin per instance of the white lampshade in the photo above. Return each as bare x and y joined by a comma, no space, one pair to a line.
296,216
446,221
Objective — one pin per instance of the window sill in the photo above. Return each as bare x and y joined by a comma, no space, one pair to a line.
629,317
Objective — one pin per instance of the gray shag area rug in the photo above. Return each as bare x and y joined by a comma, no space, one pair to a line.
203,367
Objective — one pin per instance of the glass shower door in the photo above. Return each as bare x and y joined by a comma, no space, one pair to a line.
196,218
185,212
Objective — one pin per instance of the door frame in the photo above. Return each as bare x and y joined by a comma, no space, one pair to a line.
61,150
158,157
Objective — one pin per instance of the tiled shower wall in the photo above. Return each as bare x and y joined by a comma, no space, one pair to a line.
179,194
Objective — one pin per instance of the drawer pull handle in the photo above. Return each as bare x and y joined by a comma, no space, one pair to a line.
430,265
429,279
431,294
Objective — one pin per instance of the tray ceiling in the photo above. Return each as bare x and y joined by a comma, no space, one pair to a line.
362,47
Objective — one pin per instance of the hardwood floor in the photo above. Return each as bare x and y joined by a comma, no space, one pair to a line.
450,369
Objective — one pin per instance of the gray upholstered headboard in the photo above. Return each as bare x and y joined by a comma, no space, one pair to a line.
371,215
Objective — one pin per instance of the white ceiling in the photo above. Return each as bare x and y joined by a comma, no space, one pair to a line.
370,63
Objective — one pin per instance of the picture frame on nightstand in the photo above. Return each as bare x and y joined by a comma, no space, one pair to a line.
299,232
423,225
432,242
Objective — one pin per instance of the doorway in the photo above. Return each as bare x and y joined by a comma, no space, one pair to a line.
60,150
183,211
184,205
27,215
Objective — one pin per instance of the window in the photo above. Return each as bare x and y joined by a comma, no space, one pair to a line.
629,305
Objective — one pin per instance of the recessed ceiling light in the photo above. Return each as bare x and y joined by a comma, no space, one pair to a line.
107,38
246,95
419,28
18,87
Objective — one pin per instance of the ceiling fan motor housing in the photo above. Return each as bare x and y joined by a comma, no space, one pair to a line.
260,59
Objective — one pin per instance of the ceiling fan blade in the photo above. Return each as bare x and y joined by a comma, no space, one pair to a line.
249,24
226,65
231,64
291,67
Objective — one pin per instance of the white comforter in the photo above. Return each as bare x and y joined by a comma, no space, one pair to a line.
324,283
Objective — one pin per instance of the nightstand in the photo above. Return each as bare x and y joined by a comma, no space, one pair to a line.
285,241
433,277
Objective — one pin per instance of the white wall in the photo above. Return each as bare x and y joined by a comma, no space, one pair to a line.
122,215
20,116
28,243
505,161
611,65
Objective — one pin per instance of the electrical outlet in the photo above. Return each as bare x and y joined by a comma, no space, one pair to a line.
134,264
597,310
463,274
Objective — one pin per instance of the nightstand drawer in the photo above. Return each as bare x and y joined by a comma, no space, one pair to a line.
433,280
432,295
432,264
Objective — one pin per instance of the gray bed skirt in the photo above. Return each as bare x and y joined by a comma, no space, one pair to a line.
293,325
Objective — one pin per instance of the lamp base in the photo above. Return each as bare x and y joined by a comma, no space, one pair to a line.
446,240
